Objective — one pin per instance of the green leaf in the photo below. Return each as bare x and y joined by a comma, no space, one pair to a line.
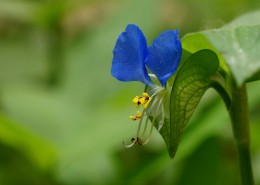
237,44
240,48
191,82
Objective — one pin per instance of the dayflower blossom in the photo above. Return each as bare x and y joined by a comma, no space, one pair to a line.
132,58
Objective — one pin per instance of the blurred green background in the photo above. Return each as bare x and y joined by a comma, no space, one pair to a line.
63,117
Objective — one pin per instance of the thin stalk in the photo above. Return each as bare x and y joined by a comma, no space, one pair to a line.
239,116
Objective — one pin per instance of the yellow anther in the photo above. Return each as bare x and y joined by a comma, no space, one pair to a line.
147,103
146,100
136,99
137,117
146,95
133,118
142,100
139,114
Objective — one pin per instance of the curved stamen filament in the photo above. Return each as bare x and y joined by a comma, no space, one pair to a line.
152,125
147,118
137,134
130,145
155,92
162,118
152,91
144,100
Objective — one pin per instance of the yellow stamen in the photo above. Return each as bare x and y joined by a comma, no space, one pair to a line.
156,110
147,102
137,117
142,100
136,101
146,95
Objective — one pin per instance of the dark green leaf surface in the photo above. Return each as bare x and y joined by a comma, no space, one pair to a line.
191,82
165,130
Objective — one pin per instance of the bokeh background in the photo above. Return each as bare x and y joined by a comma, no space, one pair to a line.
63,117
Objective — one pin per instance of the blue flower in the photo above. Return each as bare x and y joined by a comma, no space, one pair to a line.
131,62
132,56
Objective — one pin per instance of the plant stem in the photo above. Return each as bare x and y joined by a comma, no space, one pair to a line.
239,116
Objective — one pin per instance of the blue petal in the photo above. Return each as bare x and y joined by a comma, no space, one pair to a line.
130,53
164,55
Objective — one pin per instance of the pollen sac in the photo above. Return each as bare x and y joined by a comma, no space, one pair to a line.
137,141
137,117
147,100
142,100
136,101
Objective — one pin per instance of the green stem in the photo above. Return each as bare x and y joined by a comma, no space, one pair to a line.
239,116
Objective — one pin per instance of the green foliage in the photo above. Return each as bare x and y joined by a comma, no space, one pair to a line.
236,45
191,82
82,119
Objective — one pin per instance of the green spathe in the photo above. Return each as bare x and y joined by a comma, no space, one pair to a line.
191,82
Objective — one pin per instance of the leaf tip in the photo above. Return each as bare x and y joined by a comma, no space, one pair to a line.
172,151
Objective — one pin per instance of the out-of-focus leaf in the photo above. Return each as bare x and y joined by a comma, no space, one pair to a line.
39,151
191,82
237,44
